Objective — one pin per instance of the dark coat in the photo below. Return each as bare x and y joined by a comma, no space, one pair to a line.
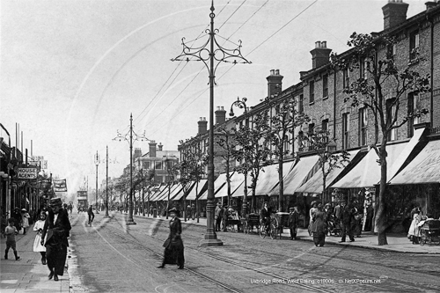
174,245
59,231
293,220
319,226
347,216
265,214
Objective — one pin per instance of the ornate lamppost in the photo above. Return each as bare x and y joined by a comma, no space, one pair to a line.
96,194
242,105
129,137
209,56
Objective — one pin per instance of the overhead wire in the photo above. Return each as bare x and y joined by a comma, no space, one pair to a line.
169,85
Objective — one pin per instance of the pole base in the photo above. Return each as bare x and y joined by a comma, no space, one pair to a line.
210,240
130,222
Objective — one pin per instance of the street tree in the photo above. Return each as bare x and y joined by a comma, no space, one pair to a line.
381,87
252,151
192,168
227,145
328,159
280,131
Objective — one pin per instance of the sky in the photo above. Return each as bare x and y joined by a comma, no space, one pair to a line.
72,71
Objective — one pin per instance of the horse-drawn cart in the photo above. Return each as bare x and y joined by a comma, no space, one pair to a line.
430,232
251,223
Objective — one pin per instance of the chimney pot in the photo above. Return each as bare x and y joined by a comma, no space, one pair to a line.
394,13
324,44
274,83
320,54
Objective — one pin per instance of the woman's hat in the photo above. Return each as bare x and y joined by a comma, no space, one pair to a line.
55,202
23,210
174,210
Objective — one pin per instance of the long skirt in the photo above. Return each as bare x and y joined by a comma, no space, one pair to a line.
173,253
37,244
319,238
56,257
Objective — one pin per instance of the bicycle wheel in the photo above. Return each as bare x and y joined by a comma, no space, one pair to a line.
262,231
273,231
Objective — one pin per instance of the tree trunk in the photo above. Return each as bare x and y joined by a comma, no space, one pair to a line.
280,183
381,220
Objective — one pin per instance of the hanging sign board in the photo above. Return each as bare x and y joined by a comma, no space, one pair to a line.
27,173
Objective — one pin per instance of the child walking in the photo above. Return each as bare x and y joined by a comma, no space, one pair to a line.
10,232
38,226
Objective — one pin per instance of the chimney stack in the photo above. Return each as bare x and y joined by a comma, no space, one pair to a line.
152,145
431,4
203,125
137,153
320,55
394,13
274,83
220,115
160,147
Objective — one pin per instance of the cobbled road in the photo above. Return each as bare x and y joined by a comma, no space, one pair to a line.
114,257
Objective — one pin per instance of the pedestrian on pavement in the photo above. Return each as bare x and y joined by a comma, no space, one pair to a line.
218,216
414,229
225,217
91,215
24,220
38,227
173,253
293,222
312,212
10,232
347,222
16,215
57,228
319,229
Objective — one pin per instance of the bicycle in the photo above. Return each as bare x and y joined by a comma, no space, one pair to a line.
267,229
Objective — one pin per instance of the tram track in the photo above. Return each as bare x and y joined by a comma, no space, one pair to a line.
229,261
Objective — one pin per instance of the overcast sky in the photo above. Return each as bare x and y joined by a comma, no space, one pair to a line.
73,71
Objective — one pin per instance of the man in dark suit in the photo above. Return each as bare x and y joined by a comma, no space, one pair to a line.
293,221
265,216
57,229
347,222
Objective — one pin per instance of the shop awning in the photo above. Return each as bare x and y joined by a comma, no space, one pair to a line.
183,191
367,172
298,174
268,179
315,183
176,191
237,185
158,193
425,168
164,195
192,194
155,191
219,183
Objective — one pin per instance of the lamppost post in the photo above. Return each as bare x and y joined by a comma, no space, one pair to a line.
106,182
242,105
96,194
225,55
120,137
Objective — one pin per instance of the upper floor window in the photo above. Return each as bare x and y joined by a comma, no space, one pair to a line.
413,107
363,121
363,68
392,135
325,86
301,104
346,77
158,165
146,165
311,130
345,131
324,126
414,43
312,92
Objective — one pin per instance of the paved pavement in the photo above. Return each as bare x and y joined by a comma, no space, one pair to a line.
27,274
396,243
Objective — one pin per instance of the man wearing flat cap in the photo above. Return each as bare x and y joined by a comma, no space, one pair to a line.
57,228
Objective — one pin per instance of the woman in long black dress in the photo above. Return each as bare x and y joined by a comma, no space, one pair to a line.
173,245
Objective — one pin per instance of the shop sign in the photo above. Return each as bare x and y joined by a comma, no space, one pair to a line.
27,173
